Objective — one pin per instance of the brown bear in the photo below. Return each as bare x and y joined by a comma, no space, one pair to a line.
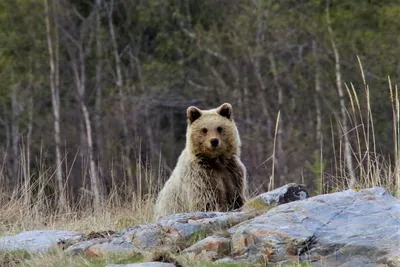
209,175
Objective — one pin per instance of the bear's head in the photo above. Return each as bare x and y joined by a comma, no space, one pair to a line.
212,133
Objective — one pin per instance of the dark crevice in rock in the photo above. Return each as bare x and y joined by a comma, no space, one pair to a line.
335,216
294,193
304,248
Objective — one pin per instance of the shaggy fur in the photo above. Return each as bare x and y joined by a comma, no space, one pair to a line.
209,175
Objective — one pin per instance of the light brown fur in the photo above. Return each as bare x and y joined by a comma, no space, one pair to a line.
206,177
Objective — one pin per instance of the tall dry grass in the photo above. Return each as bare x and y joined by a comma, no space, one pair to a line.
372,169
32,203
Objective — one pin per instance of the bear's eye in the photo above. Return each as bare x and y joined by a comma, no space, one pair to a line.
204,131
219,129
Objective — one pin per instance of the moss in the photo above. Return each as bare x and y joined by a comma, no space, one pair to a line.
222,233
256,204
196,237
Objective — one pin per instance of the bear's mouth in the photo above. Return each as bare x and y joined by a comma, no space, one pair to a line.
212,152
212,149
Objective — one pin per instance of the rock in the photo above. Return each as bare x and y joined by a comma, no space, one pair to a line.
225,260
190,224
347,228
37,241
206,222
81,247
153,236
285,194
111,247
172,233
145,264
175,233
186,217
210,248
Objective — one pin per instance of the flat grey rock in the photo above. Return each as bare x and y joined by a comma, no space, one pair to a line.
81,247
225,260
347,228
115,247
36,240
210,248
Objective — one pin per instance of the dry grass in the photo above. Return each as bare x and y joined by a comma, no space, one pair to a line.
23,210
27,208
372,169
16,217
60,259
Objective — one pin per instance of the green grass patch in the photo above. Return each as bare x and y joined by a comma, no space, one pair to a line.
101,261
302,264
197,236
61,259
223,265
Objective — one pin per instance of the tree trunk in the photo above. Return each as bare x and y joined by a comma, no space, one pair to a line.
5,157
317,97
53,49
318,127
80,81
14,135
27,161
98,100
94,180
120,84
346,143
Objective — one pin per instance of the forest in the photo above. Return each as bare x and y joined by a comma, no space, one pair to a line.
93,93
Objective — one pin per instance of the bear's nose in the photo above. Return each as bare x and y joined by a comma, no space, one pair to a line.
214,142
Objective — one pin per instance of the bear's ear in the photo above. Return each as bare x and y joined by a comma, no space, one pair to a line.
225,110
193,114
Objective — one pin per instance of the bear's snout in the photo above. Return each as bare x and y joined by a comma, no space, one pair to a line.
214,142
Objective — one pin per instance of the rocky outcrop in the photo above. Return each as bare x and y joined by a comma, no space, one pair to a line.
346,228
349,228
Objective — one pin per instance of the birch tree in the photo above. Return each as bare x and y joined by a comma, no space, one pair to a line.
78,51
99,86
54,79
15,133
120,86
344,131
